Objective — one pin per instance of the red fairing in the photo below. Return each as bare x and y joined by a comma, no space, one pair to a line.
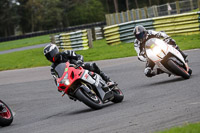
73,75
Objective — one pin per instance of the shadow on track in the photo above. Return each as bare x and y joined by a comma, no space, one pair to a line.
178,79
87,110
167,81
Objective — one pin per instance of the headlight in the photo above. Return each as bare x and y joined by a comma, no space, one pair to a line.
156,50
66,82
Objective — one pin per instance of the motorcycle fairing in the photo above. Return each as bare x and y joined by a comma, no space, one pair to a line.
99,84
74,74
166,51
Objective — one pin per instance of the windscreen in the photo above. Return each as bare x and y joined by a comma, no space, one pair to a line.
60,68
154,41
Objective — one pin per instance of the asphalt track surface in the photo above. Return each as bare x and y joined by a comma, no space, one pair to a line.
23,48
150,104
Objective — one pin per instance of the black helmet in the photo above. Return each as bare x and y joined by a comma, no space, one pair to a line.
50,52
140,33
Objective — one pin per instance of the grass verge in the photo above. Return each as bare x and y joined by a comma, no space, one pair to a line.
24,42
100,51
35,57
189,128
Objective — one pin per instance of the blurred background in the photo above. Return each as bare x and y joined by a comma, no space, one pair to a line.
19,17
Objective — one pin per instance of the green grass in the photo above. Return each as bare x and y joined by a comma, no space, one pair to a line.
100,51
35,57
188,42
24,42
23,59
188,128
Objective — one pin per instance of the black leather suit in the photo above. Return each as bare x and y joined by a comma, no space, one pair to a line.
72,57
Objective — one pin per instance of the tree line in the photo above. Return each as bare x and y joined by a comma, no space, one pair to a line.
25,16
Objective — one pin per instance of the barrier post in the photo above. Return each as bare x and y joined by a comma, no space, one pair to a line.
177,7
134,14
145,11
93,34
140,13
89,35
191,5
129,15
107,19
124,17
199,4
52,37
114,17
155,11
118,14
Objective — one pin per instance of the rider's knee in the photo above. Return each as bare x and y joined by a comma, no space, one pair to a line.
95,68
148,72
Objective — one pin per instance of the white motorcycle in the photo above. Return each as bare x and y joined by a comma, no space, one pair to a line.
167,58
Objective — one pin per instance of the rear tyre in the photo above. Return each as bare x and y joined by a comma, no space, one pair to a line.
6,118
90,100
178,70
118,95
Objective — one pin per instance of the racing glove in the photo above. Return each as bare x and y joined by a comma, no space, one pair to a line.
79,63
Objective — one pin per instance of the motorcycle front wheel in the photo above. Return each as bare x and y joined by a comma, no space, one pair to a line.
178,70
91,100
6,116
118,95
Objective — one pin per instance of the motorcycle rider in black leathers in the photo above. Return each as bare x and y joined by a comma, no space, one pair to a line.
142,35
52,54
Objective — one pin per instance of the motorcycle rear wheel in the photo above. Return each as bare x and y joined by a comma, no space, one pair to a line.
178,70
92,101
118,95
6,118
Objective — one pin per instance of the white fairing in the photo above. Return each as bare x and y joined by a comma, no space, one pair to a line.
95,81
157,49
86,77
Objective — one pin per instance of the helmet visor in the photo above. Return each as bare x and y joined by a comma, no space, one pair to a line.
140,36
50,55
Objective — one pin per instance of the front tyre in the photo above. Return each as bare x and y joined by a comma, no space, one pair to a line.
178,70
90,100
118,95
6,116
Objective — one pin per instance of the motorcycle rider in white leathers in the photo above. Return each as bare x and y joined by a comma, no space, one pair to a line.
142,35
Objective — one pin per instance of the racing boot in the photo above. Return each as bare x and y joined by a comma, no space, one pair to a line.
109,82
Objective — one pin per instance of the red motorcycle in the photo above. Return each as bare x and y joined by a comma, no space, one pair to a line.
86,86
6,115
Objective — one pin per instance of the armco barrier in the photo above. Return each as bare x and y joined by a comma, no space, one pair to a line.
78,40
188,23
178,24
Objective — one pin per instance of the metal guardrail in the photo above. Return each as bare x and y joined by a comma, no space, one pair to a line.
188,23
78,40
